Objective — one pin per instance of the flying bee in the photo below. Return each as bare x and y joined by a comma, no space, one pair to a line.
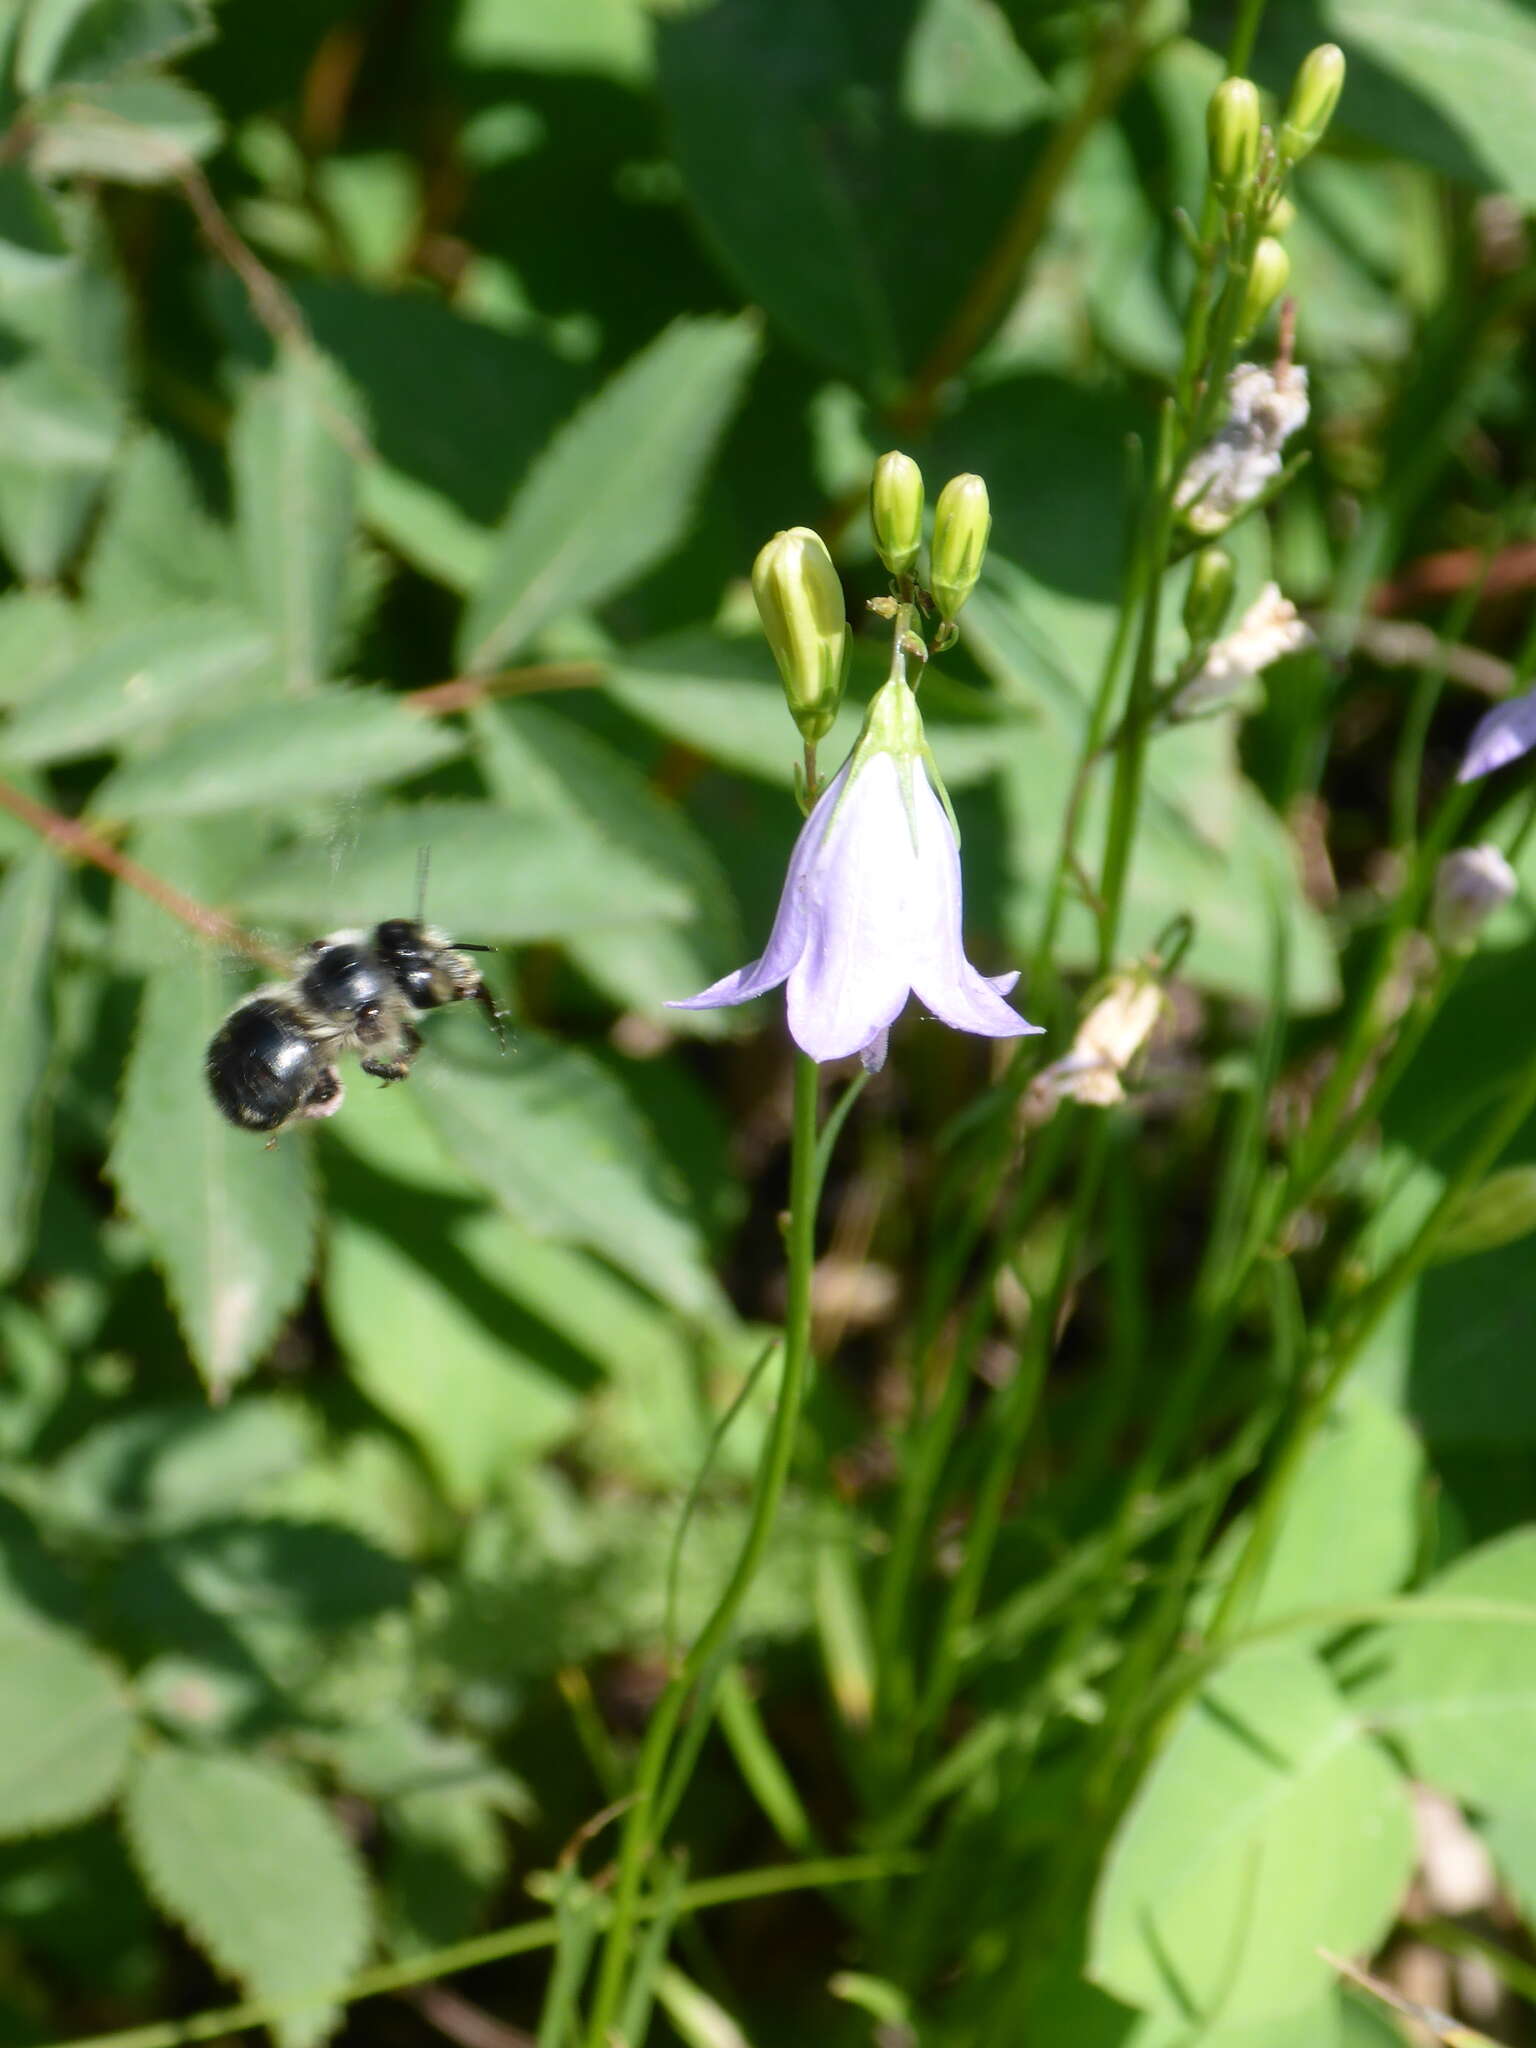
273,1060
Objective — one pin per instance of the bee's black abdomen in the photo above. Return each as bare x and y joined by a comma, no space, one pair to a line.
261,1066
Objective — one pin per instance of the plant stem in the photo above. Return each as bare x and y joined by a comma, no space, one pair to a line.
638,1843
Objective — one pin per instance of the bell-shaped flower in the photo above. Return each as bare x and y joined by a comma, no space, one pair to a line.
1500,736
871,907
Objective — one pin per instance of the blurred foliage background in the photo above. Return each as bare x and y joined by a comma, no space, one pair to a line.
393,395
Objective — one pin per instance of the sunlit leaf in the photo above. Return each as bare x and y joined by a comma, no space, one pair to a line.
29,900
66,1727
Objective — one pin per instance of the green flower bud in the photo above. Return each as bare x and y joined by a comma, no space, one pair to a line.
962,520
1268,276
1209,596
1282,216
1314,95
1232,125
896,507
800,603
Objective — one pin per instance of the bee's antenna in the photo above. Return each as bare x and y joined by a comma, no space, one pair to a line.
423,865
471,946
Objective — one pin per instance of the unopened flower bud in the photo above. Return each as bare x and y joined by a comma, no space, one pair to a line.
1282,216
896,508
1500,1211
1314,95
962,521
1268,275
800,603
1209,596
1232,126
1470,885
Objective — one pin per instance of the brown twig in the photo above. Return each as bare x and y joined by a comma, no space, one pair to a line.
438,700
78,841
470,2025
1443,575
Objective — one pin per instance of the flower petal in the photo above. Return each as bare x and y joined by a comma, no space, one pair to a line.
942,978
1500,736
851,980
786,941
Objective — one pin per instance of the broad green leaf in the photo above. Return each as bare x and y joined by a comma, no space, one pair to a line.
446,1859
66,1728
33,247
59,426
29,901
559,1144
457,1368
495,874
607,38
612,494
40,635
1457,1689
330,743
171,1467
1269,1826
854,192
537,760
294,450
135,131
1350,1530
94,39
231,1221
156,544
145,675
257,1872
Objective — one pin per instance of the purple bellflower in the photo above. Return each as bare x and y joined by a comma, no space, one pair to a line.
871,907
1500,736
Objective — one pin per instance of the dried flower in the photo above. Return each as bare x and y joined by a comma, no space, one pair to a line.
871,907
1270,627
1470,885
1108,1039
1500,736
1264,408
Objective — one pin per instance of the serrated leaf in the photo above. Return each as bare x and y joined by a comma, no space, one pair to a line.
156,544
231,1222
559,1144
94,39
495,875
257,1872
293,449
1459,1692
66,1728
534,758
330,743
1270,1825
136,677
134,131
29,901
173,1466
613,492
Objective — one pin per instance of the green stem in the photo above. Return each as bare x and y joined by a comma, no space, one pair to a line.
638,1841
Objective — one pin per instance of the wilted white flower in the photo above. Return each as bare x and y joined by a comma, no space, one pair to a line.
1470,885
1500,736
871,907
1108,1039
1264,408
1270,627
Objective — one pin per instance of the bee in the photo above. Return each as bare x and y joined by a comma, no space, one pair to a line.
272,1061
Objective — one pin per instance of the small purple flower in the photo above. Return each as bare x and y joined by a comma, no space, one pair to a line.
1500,736
871,907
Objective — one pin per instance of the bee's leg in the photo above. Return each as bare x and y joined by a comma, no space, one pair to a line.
407,1045
487,1002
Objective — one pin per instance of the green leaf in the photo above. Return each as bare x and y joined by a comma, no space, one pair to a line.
431,1351
29,902
231,1222
257,1872
1458,1689
59,426
40,635
606,38
854,190
612,494
66,1728
294,450
1269,1826
558,1143
134,131
495,875
142,675
537,760
172,1466
94,39
156,545
330,743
